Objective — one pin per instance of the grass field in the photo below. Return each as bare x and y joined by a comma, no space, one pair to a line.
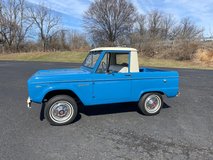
78,57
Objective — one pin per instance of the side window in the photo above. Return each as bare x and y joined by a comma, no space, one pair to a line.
114,62
103,66
122,59
119,62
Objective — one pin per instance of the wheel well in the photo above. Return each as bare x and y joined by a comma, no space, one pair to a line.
51,94
152,92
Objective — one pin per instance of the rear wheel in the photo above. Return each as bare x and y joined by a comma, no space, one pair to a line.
150,103
61,110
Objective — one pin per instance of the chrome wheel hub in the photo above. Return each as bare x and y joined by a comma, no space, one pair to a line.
152,103
61,111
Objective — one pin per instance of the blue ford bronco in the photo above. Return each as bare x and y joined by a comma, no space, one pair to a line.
107,75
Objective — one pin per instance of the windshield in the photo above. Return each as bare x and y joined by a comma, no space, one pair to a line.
91,59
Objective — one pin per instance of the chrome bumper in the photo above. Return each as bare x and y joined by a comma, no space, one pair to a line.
29,102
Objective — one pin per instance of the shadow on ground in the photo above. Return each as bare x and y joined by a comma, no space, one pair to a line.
113,109
104,109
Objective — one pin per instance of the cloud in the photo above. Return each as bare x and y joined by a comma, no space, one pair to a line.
71,11
201,12
74,8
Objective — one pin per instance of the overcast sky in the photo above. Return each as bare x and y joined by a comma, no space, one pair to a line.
200,11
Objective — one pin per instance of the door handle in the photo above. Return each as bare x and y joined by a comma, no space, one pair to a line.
128,75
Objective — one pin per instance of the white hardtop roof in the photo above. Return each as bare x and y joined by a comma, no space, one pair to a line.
114,49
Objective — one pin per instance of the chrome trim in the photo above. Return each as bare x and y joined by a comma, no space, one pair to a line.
29,101
61,111
152,103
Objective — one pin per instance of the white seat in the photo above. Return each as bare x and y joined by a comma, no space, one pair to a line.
118,68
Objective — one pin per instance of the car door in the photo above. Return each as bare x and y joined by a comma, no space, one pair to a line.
111,87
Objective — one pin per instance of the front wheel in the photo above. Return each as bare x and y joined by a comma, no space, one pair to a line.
61,110
150,103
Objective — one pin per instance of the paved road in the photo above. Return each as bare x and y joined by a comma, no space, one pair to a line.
183,129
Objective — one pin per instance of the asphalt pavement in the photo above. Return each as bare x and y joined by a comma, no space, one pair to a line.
183,129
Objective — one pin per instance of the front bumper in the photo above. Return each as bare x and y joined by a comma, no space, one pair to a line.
29,101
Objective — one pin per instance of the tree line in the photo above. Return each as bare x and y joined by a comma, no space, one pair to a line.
117,23
25,27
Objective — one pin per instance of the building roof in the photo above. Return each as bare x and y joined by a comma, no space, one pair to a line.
114,49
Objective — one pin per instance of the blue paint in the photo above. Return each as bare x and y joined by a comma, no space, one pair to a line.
103,88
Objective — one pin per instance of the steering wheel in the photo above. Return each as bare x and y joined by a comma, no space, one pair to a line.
125,64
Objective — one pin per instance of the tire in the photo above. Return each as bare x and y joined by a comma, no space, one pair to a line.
61,110
150,103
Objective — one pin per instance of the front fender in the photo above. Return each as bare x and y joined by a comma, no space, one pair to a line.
82,89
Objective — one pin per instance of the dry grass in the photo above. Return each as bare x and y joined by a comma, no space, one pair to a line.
74,57
170,63
204,56
78,57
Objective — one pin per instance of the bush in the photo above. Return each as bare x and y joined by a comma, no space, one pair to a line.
178,50
184,50
204,55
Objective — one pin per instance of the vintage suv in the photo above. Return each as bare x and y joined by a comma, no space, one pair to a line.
107,75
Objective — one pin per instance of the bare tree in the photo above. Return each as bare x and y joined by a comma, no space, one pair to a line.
109,20
8,21
185,37
167,25
13,22
59,40
63,39
2,26
139,36
141,27
154,23
45,21
187,30
77,40
24,24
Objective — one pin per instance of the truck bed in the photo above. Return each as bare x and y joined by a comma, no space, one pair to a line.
151,79
143,69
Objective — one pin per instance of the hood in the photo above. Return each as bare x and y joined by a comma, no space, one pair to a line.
58,72
59,75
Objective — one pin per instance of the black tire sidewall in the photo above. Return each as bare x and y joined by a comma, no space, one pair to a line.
60,98
141,103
